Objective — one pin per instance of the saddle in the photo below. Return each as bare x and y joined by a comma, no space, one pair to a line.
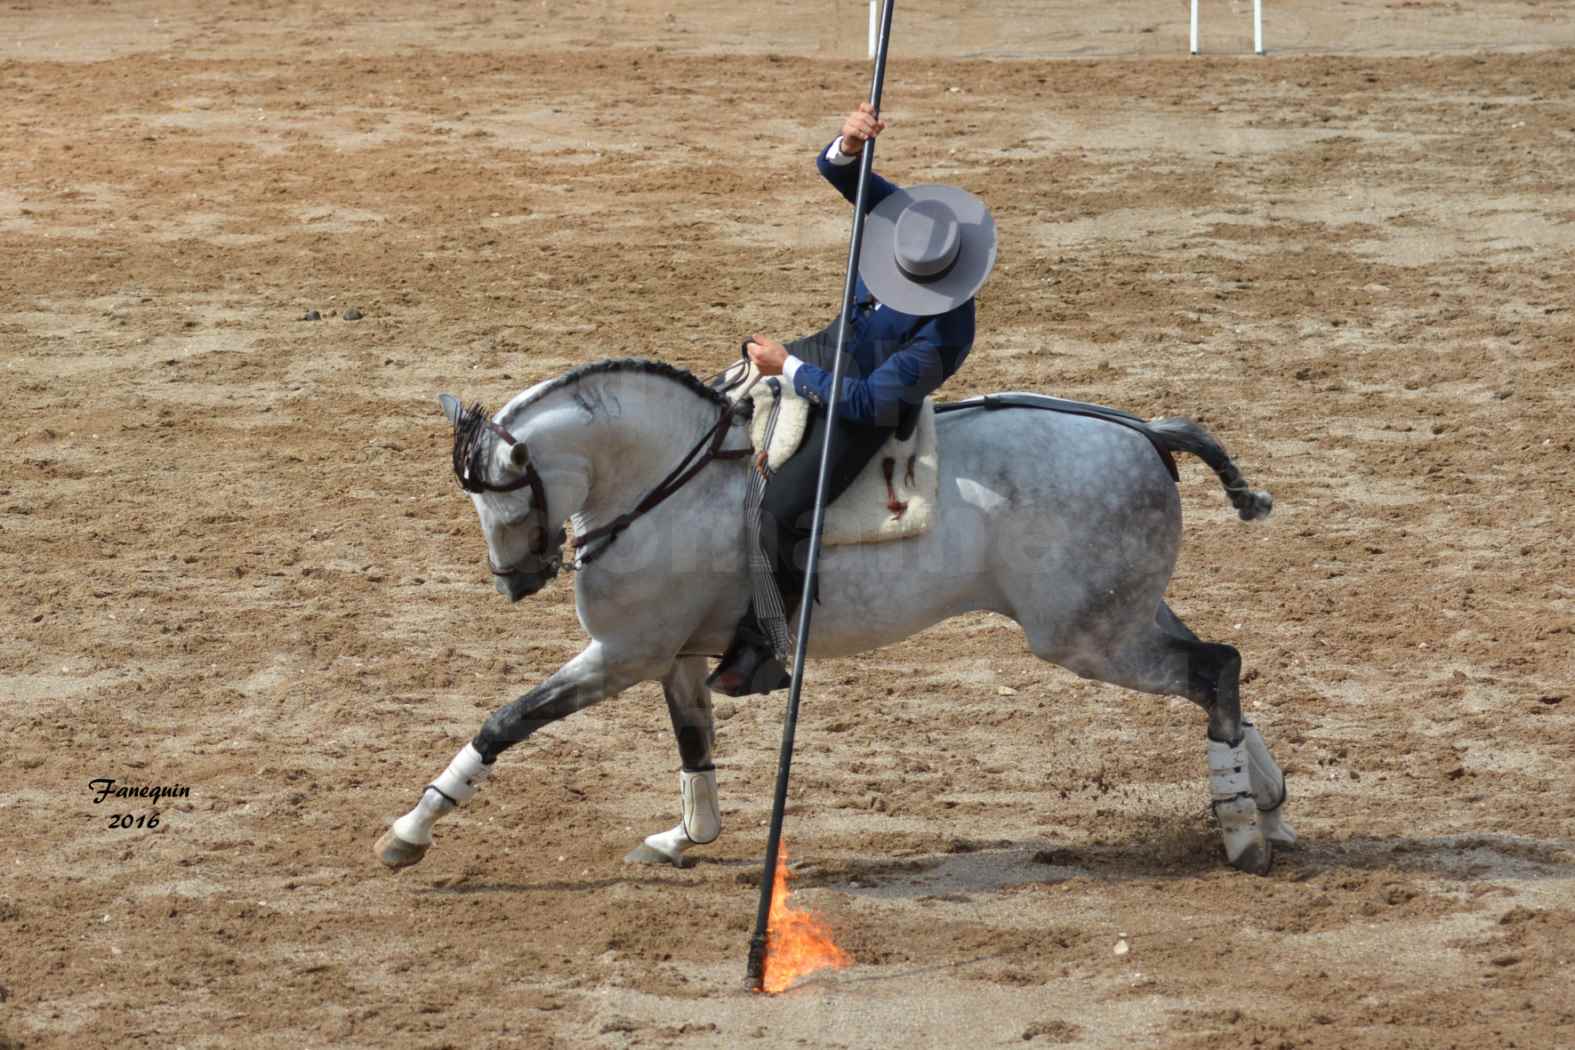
892,498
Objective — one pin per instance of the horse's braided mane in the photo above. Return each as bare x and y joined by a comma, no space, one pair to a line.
682,376
470,432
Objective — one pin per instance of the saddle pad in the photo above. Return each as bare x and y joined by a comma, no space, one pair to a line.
891,499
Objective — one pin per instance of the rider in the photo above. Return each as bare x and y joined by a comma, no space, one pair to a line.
927,250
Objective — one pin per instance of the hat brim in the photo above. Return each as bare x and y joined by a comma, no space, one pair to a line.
975,254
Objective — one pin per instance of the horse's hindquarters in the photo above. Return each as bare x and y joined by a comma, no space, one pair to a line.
1061,522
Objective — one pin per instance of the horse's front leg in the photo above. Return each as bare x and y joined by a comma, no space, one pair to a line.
590,677
700,822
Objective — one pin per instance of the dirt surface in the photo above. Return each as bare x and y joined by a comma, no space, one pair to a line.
236,559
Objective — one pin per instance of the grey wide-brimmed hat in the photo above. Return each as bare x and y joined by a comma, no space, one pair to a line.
927,249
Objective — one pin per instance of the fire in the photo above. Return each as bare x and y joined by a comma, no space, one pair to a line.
797,942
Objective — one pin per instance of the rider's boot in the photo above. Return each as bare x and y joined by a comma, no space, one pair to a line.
750,666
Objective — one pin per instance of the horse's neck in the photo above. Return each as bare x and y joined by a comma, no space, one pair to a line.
602,445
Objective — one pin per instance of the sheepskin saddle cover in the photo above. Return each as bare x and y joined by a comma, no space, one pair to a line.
891,499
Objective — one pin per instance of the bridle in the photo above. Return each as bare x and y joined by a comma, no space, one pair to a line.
468,431
475,420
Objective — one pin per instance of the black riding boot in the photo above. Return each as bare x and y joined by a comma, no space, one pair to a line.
750,666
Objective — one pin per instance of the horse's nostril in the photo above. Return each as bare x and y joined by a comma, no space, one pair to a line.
515,586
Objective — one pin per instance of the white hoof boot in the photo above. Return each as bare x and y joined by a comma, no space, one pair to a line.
1277,829
1268,787
1236,810
667,847
702,807
702,822
1268,783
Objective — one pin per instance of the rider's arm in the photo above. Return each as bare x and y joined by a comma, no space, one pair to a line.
842,171
837,162
925,361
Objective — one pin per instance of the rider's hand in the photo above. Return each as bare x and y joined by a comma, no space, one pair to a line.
767,354
862,124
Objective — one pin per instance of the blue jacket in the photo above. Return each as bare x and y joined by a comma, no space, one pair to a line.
894,358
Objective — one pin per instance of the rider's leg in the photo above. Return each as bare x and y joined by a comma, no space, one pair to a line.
749,665
787,512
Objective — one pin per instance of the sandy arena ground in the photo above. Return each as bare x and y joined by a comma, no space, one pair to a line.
236,558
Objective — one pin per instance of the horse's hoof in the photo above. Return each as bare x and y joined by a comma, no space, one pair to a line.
1242,833
1256,859
643,854
1276,828
396,853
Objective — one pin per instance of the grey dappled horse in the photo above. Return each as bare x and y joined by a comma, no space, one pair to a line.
1067,524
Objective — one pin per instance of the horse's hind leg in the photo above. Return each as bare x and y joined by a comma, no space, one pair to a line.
1268,782
1165,657
700,822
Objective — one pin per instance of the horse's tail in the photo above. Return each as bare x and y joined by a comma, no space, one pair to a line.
1183,435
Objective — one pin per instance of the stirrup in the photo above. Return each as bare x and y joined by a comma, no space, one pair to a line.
748,668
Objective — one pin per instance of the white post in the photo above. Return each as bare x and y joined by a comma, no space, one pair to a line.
874,28
1194,26
1257,26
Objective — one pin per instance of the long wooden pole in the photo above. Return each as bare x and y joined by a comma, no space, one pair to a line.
757,944
756,968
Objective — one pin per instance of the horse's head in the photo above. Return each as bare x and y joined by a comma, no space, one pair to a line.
496,469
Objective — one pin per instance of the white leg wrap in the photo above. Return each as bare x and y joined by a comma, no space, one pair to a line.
463,775
1268,783
454,785
1235,808
1228,776
702,807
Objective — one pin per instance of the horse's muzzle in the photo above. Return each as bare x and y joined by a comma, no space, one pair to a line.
528,576
517,585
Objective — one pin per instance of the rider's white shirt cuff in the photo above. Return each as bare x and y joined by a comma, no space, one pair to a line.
790,367
835,155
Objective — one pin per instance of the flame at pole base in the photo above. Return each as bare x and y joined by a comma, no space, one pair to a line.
797,942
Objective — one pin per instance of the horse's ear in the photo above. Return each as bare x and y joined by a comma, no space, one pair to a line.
451,407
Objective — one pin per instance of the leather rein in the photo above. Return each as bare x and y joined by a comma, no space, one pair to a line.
708,448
